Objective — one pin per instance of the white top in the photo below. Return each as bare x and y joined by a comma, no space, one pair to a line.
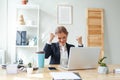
63,56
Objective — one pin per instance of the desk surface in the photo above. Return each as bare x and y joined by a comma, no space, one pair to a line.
90,74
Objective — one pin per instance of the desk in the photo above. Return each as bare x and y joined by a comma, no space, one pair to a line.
90,74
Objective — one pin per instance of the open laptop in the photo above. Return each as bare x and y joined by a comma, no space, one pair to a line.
83,58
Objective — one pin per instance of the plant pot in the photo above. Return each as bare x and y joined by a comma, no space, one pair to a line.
29,70
103,70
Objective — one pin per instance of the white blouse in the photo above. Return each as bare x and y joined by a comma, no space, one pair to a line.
63,56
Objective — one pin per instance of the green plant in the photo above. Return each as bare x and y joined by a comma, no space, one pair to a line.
101,63
29,64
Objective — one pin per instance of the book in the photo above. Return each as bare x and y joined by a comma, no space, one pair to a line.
65,76
18,38
21,38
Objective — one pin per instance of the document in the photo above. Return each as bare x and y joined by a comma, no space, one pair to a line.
65,76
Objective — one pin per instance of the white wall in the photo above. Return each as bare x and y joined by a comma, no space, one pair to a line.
3,25
48,23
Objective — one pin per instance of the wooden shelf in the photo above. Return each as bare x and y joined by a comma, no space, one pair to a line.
95,31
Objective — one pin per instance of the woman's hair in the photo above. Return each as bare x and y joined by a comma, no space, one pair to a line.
61,29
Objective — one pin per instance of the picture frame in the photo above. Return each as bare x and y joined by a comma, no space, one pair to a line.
64,14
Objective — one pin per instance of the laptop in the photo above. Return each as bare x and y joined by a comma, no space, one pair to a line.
82,58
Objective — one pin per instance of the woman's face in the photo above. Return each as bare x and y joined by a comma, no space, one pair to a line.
62,38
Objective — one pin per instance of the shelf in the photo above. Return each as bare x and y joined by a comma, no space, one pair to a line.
26,26
27,7
27,31
95,32
26,46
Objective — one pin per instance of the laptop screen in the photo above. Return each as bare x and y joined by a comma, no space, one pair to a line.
83,57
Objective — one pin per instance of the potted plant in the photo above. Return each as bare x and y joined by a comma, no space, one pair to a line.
103,68
29,68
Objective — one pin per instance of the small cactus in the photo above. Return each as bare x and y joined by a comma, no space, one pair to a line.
29,65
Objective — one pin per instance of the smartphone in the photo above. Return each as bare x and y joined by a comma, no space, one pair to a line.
52,68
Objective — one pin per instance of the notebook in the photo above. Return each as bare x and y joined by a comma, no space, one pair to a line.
65,76
82,58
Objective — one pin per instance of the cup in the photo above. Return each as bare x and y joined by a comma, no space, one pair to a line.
29,70
41,59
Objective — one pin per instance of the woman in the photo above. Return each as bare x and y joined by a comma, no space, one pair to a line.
59,51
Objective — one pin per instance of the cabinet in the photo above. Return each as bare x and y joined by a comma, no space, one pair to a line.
95,32
27,31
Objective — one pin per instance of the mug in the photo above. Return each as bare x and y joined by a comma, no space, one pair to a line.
41,57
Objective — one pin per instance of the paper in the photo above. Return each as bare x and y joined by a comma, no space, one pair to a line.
64,75
19,78
36,75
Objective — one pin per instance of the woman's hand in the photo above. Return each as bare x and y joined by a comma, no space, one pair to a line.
51,37
79,39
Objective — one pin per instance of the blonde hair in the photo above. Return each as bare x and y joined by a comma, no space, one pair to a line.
61,29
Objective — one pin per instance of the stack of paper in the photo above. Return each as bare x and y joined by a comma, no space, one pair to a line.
65,76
